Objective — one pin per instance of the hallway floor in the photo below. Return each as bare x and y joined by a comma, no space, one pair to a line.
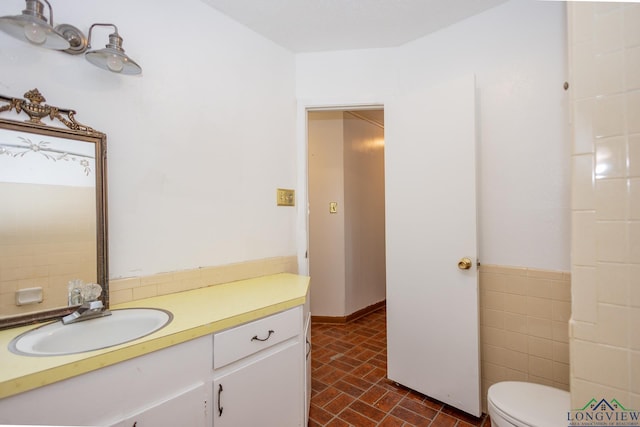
350,388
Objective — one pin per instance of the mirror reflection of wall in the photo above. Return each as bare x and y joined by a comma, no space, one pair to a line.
47,217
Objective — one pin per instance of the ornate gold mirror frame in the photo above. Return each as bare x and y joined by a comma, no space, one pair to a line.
53,213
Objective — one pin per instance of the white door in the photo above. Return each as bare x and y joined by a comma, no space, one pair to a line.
432,304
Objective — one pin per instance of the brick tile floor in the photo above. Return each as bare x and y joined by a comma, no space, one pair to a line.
350,388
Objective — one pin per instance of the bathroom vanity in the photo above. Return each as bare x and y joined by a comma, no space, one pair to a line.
235,354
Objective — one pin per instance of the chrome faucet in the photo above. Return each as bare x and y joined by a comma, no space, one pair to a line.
85,294
88,310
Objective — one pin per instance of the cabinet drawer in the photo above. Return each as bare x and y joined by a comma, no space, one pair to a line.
244,340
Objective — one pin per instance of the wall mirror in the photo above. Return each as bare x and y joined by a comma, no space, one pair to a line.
53,205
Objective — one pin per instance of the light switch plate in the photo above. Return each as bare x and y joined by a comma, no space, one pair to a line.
286,197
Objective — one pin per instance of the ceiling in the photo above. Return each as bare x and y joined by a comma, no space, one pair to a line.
325,25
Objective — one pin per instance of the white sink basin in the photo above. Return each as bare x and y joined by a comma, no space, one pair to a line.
122,326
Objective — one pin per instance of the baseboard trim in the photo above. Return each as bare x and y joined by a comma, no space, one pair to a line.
350,317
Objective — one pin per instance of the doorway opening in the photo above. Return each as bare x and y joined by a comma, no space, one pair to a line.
346,219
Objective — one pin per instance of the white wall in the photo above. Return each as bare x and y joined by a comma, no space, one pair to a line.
517,51
199,142
364,213
326,231
197,145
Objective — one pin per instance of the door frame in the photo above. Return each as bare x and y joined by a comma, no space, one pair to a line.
302,225
302,144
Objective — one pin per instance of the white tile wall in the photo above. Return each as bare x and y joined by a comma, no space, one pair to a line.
604,41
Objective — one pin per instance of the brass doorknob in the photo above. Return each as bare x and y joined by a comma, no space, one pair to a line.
464,263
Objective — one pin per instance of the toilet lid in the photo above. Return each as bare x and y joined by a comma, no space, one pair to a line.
531,404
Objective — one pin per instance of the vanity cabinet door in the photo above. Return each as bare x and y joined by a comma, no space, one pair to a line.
185,409
265,392
258,376
152,387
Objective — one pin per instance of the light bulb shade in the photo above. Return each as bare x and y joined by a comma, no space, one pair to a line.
113,60
112,57
33,27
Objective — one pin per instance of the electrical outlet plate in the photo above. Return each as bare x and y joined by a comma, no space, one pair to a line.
286,197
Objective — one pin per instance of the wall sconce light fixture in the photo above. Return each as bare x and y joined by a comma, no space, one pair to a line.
32,26
112,56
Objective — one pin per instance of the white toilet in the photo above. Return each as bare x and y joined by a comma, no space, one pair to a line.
521,404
